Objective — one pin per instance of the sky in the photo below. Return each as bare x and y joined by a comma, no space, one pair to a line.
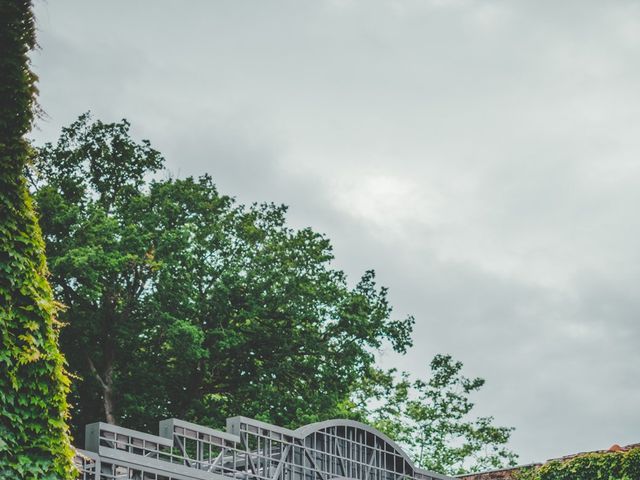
483,156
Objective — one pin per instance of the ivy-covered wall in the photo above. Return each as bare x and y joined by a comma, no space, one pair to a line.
622,465
34,439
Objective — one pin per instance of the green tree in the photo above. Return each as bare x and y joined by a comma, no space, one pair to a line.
180,302
34,440
432,419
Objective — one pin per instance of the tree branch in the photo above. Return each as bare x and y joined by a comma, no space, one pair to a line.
93,369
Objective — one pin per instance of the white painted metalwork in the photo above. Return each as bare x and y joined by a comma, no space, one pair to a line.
248,450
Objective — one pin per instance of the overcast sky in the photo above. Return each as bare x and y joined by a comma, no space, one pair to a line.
482,156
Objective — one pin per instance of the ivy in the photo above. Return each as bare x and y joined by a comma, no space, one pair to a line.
34,439
624,465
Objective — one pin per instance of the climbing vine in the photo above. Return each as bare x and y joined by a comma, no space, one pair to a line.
34,439
590,466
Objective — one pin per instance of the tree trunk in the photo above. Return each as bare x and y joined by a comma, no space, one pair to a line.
106,383
108,396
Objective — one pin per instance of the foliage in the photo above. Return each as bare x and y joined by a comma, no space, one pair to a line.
590,466
183,303
432,419
34,440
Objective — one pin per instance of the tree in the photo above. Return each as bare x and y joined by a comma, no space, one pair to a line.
34,440
100,266
433,421
181,302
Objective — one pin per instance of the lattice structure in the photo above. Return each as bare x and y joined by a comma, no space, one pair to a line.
248,450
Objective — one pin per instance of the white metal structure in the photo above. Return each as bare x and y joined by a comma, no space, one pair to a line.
248,450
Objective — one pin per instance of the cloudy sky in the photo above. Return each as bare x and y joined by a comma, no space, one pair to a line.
482,155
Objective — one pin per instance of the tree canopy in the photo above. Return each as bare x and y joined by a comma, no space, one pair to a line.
34,440
181,302
433,418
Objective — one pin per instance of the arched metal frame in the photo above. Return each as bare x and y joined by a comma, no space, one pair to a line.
248,450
